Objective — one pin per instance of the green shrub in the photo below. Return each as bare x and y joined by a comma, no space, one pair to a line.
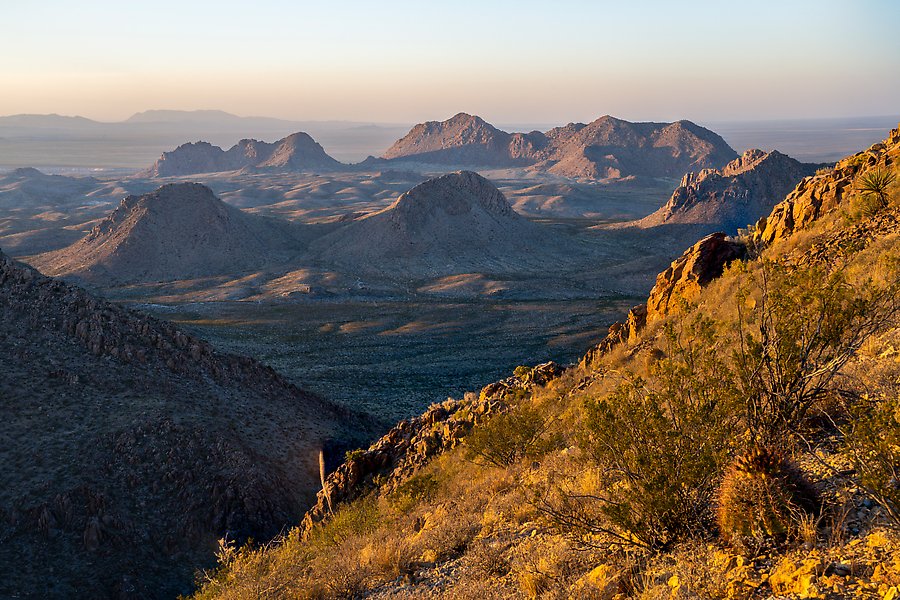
763,494
662,442
874,440
797,328
508,437
415,489
875,184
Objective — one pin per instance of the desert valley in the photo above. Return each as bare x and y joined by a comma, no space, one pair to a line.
582,300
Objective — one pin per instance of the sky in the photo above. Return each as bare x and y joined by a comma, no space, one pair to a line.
405,61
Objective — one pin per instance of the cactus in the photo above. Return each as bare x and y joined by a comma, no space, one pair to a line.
764,494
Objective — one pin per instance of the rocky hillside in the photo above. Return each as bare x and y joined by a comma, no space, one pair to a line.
179,231
826,191
131,447
737,438
456,223
607,148
732,197
296,152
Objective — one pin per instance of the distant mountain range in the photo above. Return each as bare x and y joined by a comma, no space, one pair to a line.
295,152
607,148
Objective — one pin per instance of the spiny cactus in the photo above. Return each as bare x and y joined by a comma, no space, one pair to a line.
764,494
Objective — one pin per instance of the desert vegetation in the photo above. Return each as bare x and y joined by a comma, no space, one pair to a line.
748,444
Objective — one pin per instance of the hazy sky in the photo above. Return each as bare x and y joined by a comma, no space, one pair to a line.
508,61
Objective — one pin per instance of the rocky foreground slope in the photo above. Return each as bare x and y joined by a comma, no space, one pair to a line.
643,472
179,231
607,148
296,152
732,197
130,447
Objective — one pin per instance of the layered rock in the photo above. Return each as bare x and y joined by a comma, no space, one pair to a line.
176,232
296,152
690,273
607,148
738,194
822,193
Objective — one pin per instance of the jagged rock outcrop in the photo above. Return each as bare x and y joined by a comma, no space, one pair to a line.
822,193
691,272
412,443
607,148
738,194
176,232
455,223
137,445
680,283
296,152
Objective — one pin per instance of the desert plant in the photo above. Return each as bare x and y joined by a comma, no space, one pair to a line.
661,443
875,184
412,491
508,437
874,441
764,494
796,331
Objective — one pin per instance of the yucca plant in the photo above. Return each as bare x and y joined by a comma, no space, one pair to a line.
875,184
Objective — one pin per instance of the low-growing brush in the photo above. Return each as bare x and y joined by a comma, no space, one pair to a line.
764,494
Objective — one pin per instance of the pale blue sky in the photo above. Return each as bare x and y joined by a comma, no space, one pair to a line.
406,61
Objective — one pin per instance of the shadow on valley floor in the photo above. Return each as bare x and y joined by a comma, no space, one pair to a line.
392,359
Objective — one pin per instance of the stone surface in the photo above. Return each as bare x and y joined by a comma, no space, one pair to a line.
825,191
736,195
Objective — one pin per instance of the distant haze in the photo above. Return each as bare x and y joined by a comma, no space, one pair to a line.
405,61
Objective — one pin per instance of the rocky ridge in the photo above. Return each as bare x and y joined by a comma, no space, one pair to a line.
607,148
729,198
817,195
143,443
296,152
411,443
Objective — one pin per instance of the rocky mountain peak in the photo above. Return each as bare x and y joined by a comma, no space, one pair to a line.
454,194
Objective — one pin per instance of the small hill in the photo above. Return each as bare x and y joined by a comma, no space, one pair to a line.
176,232
455,223
28,188
607,148
740,193
130,447
296,152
